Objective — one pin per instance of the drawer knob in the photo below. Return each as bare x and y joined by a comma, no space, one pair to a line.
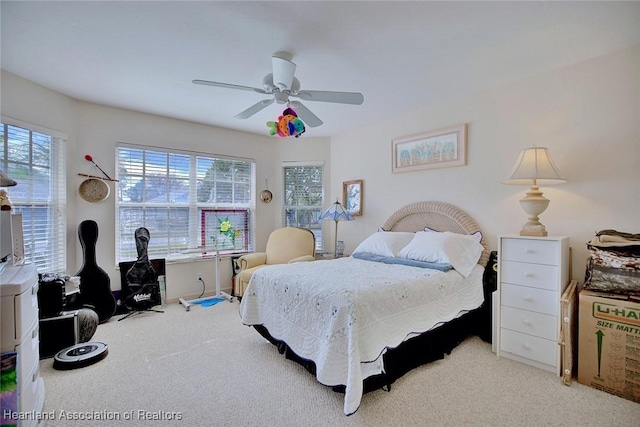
529,275
529,251
527,322
526,346
528,299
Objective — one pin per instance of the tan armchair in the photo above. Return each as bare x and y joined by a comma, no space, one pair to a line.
285,245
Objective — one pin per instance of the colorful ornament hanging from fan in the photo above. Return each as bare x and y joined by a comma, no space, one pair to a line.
288,124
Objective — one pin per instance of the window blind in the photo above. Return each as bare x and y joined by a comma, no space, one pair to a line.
303,198
36,159
166,192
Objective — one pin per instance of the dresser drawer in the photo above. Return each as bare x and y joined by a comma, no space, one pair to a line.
531,299
32,395
529,322
536,275
534,348
530,250
18,314
28,353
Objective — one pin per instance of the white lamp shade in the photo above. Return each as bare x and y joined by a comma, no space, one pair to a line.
535,164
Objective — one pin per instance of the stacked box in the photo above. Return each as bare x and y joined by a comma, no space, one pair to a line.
609,343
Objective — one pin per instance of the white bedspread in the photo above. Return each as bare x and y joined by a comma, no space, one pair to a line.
343,314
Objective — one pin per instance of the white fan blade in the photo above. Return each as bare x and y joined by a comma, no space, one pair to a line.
229,86
305,114
353,98
254,109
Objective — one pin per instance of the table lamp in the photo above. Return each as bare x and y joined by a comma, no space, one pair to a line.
534,166
336,213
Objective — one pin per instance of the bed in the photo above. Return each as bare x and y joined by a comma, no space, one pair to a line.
358,323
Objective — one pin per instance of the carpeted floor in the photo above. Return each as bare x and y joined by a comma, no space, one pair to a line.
204,368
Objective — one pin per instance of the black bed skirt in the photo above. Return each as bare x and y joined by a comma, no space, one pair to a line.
427,347
424,348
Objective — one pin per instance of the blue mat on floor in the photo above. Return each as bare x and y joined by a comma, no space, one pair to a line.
210,302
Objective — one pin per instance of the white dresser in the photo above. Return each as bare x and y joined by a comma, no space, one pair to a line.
19,309
532,275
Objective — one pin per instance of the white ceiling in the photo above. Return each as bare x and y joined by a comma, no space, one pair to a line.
401,55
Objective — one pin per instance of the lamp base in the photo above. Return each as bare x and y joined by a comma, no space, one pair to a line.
534,204
533,230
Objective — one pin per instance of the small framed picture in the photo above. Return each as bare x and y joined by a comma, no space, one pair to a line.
352,196
442,148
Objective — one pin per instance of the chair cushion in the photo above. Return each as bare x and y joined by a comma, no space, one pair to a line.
287,243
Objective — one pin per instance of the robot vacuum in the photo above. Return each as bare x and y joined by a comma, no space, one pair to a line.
80,355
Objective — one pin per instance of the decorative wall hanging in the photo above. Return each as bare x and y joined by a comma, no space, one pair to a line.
352,196
438,149
94,189
265,195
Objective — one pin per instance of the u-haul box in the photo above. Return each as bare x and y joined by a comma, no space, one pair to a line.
609,343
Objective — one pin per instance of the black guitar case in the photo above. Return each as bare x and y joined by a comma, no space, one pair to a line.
141,289
95,285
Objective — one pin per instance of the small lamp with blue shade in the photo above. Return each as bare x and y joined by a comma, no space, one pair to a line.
336,212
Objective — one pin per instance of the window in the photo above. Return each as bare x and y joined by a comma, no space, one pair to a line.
303,198
168,191
35,159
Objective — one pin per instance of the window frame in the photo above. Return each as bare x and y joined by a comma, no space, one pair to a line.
53,235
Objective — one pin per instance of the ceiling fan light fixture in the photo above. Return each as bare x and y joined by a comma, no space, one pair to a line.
281,97
283,71
267,83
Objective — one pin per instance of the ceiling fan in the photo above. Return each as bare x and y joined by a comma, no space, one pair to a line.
282,84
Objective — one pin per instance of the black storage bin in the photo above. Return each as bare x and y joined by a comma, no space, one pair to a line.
51,295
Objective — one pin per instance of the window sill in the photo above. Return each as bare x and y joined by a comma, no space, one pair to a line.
198,257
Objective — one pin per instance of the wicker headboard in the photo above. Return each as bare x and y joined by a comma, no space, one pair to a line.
438,216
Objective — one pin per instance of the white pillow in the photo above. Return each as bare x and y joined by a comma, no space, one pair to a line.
477,236
385,243
462,251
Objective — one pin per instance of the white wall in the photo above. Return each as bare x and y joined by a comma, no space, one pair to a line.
95,129
587,114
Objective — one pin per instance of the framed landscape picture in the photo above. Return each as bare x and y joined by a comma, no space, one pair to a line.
437,149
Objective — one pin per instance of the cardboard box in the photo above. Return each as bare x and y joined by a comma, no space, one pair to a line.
609,343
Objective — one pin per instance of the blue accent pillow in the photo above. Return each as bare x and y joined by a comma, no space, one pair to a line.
403,261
